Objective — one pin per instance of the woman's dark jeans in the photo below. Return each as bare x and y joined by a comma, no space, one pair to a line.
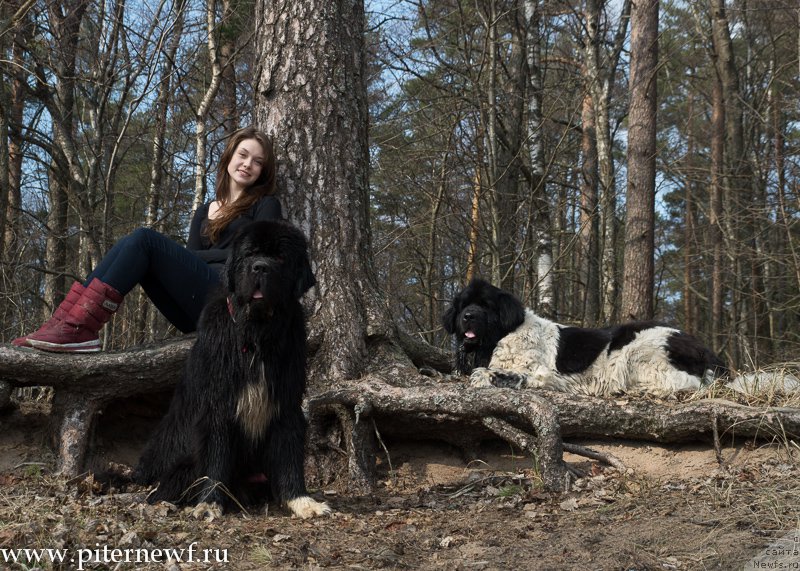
175,279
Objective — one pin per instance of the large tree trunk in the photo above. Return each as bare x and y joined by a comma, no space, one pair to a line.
311,98
638,267
737,176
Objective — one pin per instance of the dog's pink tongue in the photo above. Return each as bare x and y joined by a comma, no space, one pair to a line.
469,335
258,295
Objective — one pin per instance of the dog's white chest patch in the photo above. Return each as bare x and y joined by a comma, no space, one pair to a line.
254,409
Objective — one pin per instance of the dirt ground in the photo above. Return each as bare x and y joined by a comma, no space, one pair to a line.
675,507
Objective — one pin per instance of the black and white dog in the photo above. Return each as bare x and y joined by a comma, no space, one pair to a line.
235,430
513,347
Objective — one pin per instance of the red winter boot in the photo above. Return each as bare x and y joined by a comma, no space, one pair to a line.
58,316
77,333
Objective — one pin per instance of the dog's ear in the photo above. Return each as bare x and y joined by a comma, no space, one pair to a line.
229,271
450,316
510,311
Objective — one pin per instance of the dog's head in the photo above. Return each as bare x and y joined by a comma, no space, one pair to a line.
479,316
267,268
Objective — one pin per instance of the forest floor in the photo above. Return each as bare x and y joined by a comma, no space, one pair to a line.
676,507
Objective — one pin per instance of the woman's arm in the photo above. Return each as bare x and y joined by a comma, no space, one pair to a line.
195,240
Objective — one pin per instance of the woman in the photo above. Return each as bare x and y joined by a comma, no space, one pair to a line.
175,278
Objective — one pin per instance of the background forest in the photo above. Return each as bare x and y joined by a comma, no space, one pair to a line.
499,143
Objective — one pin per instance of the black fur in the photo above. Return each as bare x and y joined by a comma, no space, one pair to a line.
687,354
578,348
251,334
486,312
624,334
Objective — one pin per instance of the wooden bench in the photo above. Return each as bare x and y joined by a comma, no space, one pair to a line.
84,384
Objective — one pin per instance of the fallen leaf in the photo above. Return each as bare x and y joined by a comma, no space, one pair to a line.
569,505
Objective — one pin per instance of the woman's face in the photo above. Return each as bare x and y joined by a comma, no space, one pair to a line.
246,163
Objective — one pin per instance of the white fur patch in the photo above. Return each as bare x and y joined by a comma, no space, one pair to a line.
254,409
305,507
642,365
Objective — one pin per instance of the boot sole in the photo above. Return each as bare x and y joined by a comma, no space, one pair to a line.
85,347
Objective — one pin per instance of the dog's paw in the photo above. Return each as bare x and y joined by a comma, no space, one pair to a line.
483,377
480,377
207,511
305,507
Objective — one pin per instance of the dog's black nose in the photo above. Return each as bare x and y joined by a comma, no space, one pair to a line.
259,266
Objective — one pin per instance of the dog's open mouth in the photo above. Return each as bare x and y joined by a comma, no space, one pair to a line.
257,294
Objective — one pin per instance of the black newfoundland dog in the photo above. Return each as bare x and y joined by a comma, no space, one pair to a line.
500,343
235,430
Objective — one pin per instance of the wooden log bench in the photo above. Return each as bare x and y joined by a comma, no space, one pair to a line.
535,421
83,384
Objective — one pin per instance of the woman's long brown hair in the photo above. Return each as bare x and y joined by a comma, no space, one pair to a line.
263,186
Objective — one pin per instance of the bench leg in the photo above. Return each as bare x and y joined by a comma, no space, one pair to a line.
76,416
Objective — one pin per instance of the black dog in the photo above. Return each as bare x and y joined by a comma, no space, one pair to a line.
235,430
480,316
514,347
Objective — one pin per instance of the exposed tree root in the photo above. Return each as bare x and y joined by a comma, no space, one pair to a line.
421,408
527,420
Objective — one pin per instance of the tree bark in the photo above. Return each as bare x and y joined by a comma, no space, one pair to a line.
638,266
588,295
227,55
475,217
739,221
14,118
462,409
691,323
311,98
431,266
66,176
145,320
5,179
